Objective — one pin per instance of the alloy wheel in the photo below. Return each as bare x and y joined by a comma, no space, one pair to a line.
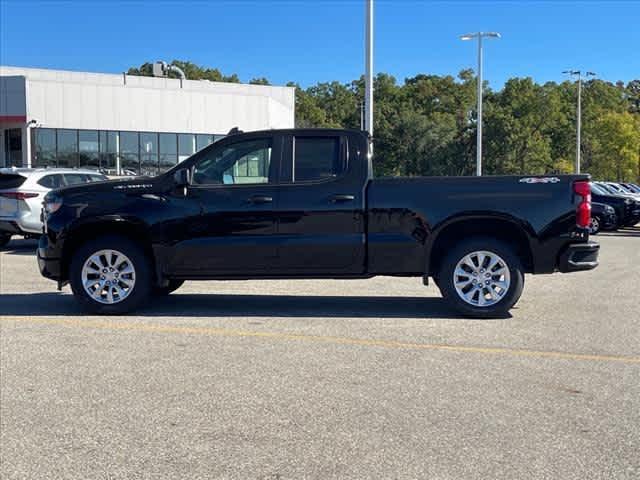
108,276
481,278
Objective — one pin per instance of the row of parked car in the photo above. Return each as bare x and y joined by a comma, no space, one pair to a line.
22,191
614,205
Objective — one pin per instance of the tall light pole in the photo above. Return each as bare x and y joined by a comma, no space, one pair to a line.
368,77
579,74
479,36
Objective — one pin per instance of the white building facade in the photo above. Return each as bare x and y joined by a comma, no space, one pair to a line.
124,124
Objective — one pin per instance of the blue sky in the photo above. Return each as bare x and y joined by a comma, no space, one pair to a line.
310,41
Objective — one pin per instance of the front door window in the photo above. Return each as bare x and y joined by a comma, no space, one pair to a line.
246,163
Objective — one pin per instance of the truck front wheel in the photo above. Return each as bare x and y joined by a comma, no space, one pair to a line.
110,275
481,277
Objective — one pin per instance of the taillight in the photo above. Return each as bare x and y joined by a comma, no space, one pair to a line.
18,195
583,212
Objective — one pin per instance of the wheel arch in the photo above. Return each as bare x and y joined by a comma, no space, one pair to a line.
504,228
134,230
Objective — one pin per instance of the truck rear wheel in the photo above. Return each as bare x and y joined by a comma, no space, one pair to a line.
110,275
481,277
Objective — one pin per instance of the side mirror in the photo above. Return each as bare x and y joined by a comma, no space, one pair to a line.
182,177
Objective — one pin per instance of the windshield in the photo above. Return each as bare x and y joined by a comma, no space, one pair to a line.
599,190
606,188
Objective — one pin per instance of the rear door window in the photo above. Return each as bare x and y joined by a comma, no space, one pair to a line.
316,158
75,178
10,180
52,181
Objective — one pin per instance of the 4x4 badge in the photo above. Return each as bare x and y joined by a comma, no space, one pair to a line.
539,180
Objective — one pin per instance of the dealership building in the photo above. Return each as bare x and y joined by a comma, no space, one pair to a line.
124,124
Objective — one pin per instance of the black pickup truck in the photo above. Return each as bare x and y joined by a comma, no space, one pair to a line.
305,204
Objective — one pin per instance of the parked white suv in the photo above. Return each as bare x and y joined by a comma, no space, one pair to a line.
22,191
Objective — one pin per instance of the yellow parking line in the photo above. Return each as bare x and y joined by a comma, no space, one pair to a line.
209,331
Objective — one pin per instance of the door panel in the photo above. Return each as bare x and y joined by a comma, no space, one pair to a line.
321,223
234,235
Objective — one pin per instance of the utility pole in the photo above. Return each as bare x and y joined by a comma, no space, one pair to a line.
368,78
579,74
479,36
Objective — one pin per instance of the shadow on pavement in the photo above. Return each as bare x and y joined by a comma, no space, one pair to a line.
623,232
227,305
20,247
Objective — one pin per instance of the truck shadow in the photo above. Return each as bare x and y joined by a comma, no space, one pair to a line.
20,247
228,305
623,232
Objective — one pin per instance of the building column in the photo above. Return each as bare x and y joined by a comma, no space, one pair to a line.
118,153
3,160
26,146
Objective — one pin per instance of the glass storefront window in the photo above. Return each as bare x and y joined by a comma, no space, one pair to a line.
45,147
168,150
202,141
149,154
108,152
129,157
186,146
143,153
88,149
67,148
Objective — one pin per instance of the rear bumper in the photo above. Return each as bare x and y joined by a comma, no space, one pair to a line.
579,256
48,261
14,228
9,227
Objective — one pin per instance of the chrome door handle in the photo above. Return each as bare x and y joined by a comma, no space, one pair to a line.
341,198
258,199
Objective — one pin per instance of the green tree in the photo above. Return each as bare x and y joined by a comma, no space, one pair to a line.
427,124
616,146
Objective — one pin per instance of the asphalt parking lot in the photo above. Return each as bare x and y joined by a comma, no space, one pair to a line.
324,379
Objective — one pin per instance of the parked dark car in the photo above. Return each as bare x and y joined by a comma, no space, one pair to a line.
632,187
627,208
603,217
304,204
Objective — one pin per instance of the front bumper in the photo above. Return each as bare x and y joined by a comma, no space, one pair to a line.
634,217
609,221
48,261
579,256
14,228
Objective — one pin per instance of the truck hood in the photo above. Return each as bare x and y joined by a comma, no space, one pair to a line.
124,185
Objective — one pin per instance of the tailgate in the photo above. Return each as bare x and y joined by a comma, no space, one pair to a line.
9,182
8,206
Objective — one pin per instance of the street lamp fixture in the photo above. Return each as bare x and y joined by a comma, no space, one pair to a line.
579,74
479,36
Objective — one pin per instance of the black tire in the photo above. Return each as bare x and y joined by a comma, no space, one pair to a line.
595,225
5,238
171,287
462,249
141,289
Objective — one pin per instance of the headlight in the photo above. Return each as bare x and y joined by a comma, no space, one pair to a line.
628,201
609,209
52,202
